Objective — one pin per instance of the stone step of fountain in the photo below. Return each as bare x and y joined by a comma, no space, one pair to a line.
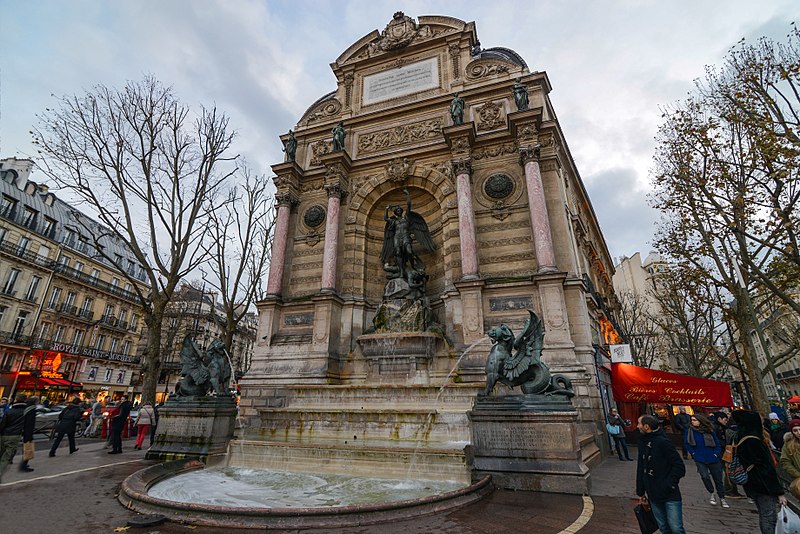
387,462
460,395
401,425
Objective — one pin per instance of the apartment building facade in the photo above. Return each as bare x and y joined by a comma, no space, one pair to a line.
70,320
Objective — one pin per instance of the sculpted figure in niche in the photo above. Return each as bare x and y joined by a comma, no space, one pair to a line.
338,137
520,91
401,228
290,146
457,109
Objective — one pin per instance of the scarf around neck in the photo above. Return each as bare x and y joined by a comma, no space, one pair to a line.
708,439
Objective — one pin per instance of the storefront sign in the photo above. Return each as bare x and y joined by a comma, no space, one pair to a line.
94,353
639,384
620,353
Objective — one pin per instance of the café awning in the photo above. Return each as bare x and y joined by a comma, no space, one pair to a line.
794,400
640,384
28,382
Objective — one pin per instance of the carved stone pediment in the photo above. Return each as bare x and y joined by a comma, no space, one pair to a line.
402,31
324,110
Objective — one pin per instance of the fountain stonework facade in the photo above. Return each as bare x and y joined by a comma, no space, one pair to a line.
511,229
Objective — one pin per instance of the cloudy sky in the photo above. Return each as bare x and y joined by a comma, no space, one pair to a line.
613,66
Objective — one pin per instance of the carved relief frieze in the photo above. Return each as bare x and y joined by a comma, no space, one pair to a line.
508,258
399,33
405,134
494,151
527,133
493,243
348,89
312,265
320,148
500,211
399,169
455,56
460,146
490,116
442,167
328,108
483,69
310,186
503,227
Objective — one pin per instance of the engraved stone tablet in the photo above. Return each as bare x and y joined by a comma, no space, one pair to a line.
406,80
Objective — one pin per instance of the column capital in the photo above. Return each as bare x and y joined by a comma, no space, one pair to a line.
529,153
462,166
286,198
335,190
460,138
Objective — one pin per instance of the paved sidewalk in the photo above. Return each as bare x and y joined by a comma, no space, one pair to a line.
77,493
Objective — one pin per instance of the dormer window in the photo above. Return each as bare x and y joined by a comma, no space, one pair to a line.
29,217
7,206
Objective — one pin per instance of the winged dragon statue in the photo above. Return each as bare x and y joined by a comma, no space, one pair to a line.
517,361
202,371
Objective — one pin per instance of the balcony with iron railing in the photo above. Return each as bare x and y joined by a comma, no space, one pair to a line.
95,282
34,224
31,342
25,254
15,338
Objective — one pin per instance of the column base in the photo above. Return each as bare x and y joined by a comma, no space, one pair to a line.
547,269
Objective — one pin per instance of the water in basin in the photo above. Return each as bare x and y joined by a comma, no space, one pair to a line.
240,487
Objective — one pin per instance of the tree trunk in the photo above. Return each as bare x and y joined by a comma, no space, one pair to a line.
749,359
151,359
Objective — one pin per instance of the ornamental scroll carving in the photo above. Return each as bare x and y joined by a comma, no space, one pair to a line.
329,108
399,136
490,116
483,69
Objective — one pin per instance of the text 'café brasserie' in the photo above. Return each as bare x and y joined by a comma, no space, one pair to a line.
639,390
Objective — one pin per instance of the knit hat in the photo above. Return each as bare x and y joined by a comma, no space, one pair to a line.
721,415
793,423
773,415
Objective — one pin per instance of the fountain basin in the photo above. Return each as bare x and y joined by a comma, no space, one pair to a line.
134,494
399,354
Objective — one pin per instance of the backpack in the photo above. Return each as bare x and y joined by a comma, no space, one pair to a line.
736,469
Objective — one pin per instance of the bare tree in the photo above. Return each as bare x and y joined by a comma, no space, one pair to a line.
150,170
238,247
638,322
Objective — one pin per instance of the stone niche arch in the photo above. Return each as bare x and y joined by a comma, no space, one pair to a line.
433,197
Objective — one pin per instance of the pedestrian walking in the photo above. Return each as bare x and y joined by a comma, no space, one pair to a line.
95,418
658,473
67,421
682,423
790,456
144,421
4,406
28,449
777,429
12,427
615,429
118,423
155,424
726,431
763,485
706,451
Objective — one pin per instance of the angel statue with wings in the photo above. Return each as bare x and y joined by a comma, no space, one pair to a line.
402,227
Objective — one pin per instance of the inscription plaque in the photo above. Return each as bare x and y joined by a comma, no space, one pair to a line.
507,437
298,319
402,81
510,303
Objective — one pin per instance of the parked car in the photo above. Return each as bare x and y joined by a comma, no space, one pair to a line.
47,419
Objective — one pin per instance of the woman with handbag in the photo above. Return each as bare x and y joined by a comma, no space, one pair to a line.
790,456
615,429
762,484
143,422
703,445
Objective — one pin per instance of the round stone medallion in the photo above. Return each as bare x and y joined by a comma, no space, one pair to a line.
314,216
498,186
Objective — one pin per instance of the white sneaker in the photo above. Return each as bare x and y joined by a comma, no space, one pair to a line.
713,499
751,501
724,503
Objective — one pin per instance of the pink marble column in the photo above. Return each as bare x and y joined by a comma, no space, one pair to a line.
335,194
540,222
466,220
279,241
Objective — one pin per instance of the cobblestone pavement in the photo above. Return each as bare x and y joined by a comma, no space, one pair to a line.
76,493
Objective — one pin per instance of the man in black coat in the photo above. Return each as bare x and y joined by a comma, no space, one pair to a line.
682,421
658,473
118,424
67,421
18,421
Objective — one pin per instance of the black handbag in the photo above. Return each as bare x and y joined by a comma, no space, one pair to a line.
646,519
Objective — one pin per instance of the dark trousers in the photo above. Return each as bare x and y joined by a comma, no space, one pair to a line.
709,471
116,437
619,443
768,507
683,445
59,437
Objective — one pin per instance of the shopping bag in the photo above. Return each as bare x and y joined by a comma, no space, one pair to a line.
27,450
788,522
646,519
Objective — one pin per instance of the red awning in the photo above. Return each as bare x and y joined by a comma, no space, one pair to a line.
639,384
28,382
794,400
